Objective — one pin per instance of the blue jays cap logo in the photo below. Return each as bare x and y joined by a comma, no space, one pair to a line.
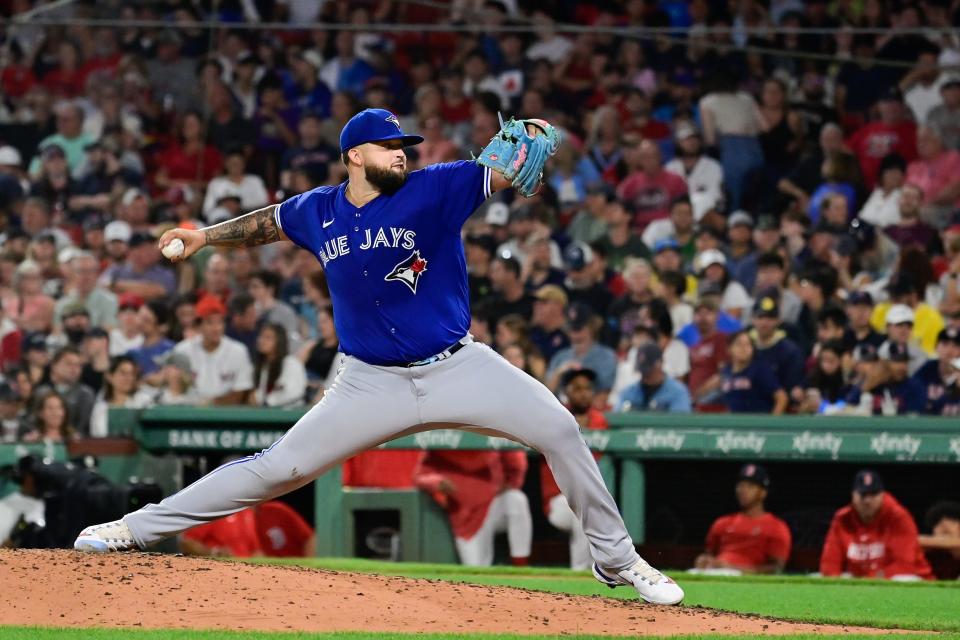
409,271
374,125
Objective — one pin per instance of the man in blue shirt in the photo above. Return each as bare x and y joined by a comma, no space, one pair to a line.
938,373
149,356
891,391
656,391
584,351
774,347
390,245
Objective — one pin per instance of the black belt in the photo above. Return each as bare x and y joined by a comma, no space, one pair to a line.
443,355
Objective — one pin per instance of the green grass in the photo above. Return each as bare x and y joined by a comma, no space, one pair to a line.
47,633
919,606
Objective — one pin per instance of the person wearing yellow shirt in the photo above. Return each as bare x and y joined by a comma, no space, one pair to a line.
927,321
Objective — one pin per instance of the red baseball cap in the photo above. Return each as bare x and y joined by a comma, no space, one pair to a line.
130,300
210,306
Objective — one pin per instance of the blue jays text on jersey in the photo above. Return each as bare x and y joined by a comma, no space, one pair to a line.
395,266
390,237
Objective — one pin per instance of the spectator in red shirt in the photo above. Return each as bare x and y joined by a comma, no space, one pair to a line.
708,354
751,540
873,537
16,77
577,384
67,79
650,189
892,133
480,491
189,160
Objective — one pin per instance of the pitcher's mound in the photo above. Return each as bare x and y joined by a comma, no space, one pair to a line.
67,588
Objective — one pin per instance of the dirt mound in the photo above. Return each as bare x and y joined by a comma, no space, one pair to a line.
67,588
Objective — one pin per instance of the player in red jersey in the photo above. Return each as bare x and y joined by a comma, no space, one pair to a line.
751,540
873,537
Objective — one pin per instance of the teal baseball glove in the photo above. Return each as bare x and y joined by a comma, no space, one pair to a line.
520,156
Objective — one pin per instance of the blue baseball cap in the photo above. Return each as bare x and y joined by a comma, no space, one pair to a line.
664,244
374,125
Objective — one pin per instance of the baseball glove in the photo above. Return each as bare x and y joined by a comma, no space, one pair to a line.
520,156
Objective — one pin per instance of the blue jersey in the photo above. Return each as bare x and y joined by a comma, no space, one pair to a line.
395,266
750,390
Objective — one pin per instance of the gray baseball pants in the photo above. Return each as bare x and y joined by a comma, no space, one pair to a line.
368,405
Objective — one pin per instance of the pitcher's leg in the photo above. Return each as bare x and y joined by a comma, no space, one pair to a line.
484,390
364,407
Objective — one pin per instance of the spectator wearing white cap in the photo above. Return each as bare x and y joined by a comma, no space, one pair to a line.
926,320
741,255
703,174
116,238
711,265
900,319
135,209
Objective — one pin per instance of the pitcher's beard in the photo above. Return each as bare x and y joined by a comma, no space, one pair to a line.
387,181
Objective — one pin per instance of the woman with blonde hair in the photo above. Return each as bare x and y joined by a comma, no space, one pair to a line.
603,141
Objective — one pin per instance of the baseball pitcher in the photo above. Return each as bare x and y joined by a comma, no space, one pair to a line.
390,245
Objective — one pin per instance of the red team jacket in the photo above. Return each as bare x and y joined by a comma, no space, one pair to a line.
281,531
237,533
882,549
274,529
479,476
748,542
382,468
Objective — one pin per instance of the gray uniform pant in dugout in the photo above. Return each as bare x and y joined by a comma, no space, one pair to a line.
368,405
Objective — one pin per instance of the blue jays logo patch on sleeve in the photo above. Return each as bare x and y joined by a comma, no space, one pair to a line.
409,271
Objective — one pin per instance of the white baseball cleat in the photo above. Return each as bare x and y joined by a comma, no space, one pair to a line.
653,586
109,536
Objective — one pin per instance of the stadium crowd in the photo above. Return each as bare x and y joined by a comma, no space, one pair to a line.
725,228
743,217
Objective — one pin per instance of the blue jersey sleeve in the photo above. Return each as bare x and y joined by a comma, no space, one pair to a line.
300,219
462,186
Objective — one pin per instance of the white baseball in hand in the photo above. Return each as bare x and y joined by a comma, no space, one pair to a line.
174,249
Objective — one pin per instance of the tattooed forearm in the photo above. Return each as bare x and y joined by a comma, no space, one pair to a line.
257,227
